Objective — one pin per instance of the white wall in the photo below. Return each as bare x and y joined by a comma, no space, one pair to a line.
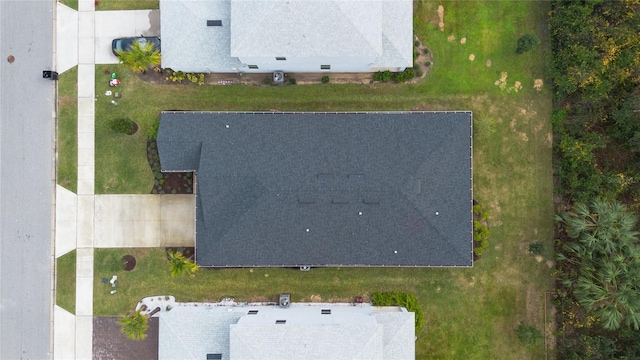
350,64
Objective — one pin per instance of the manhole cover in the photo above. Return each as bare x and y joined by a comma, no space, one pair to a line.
11,59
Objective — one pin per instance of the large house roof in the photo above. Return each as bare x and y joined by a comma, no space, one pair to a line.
326,189
380,30
303,331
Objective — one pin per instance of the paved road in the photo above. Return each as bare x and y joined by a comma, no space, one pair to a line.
26,105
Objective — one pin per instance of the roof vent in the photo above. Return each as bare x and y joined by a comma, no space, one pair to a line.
252,312
280,322
285,300
214,356
214,22
325,311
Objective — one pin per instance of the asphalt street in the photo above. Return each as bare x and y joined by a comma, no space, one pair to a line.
26,187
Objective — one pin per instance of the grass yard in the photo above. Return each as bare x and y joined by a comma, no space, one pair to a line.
470,313
66,281
68,129
127,4
117,4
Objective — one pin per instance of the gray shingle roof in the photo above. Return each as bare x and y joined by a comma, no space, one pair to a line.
290,189
348,332
306,28
191,46
381,32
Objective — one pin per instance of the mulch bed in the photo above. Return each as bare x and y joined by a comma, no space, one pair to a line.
110,344
129,262
167,183
134,130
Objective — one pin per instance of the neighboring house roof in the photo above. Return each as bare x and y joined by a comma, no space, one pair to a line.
191,46
381,31
347,332
326,189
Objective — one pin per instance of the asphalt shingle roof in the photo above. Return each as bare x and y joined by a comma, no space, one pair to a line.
326,189
347,332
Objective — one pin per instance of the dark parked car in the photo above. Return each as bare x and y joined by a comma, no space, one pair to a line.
125,43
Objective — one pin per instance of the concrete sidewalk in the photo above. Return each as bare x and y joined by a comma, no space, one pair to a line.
84,220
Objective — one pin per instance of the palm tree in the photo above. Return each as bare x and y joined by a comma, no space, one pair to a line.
181,265
607,256
134,325
140,57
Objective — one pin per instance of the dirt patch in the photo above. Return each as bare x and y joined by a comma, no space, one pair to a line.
472,57
538,84
423,61
502,82
109,343
451,38
441,17
463,40
488,63
548,141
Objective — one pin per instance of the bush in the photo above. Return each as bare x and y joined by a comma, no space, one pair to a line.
536,248
292,81
526,43
399,298
266,81
325,79
528,334
153,130
383,76
122,125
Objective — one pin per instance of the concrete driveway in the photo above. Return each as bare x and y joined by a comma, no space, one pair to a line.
108,25
125,23
144,221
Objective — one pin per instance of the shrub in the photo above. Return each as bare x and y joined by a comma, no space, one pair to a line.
528,334
536,248
383,76
399,298
122,125
153,130
526,43
416,43
292,81
325,79
427,63
399,77
480,212
176,76
266,81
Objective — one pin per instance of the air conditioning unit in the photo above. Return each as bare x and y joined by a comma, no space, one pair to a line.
278,77
285,300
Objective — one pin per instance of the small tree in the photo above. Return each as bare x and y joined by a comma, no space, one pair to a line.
526,43
181,265
139,56
134,325
528,334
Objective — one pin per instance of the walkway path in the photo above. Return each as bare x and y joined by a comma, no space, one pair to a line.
84,220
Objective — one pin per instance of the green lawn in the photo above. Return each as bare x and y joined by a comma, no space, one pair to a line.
70,3
470,313
66,281
127,4
68,129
